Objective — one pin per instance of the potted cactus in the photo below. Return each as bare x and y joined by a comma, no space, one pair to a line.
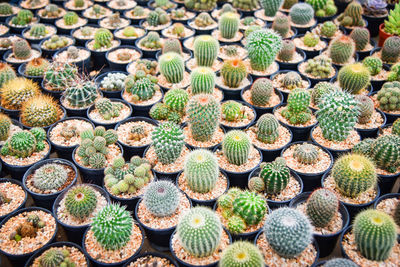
390,26
55,43
390,51
84,33
342,51
119,57
150,44
301,17
77,5
228,28
205,51
203,23
7,10
369,118
111,83
12,195
163,4
79,56
21,52
318,69
324,10
327,30
231,255
113,22
289,57
389,204
182,15
129,33
178,30
236,115
385,104
34,69
137,14
379,72
58,77
355,79
103,42
285,81
121,5
51,13
96,13
23,19
351,17
172,69
38,32
310,43
156,20
198,5
70,21
318,91
8,127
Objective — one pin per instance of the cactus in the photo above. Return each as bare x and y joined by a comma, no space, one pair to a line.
262,47
161,198
70,18
306,153
172,45
202,80
354,174
5,125
199,231
176,99
287,51
250,207
80,201
385,152
271,7
337,108
352,15
248,5
310,39
72,52
113,81
112,227
108,109
5,9
102,39
203,112
287,4
275,176
281,25
36,67
151,41
201,170
236,147
373,64
16,91
341,49
301,13
203,20
228,25
396,127
232,111
375,234
288,232
317,4
157,17
233,72
354,77
7,73
205,50
388,96
321,207
267,128
24,143
392,24
319,90
366,107
319,67
40,111
38,30
261,91
291,80
81,95
50,177
141,86
56,42
391,49
60,76
172,67
159,111
205,5
21,49
361,37
297,111
338,262
168,141
328,29
55,257
256,184
241,254
23,17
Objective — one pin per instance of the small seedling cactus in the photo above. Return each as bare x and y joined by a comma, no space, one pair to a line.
168,142
319,67
81,201
267,128
233,73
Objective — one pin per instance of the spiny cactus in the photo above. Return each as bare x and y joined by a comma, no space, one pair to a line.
385,152
157,17
37,67
396,127
281,25
161,198
391,49
168,142
319,90
151,41
107,108
159,111
172,67
56,42
141,86
23,17
113,81
21,49
60,76
319,67
275,175
262,47
16,91
366,107
310,39
373,64
306,153
388,96
241,254
271,7
301,13
172,45
81,201
228,25
287,51
176,99
338,262
112,227
70,18
297,111
102,39
256,184
354,77
38,30
50,177
288,232
232,111
202,80
81,95
375,234
250,207
236,147
352,15
205,50
6,73
203,112
267,128
233,72
261,91
5,126
5,9
24,143
321,207
291,80
199,231
203,20
341,49
328,29
361,37
55,257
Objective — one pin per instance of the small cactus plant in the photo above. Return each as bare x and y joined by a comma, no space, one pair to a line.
168,142
391,49
297,111
275,176
361,37
172,67
385,152
81,201
21,49
341,49
161,198
301,13
352,15
250,207
229,25
233,73
205,50
261,91
366,107
373,64
354,77
50,177
321,207
241,254
40,111
102,39
281,25
16,91
202,80
6,73
236,147
37,67
267,128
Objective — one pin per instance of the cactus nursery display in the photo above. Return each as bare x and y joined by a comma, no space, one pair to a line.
217,133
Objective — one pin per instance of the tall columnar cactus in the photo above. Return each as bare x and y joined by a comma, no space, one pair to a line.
203,115
262,47
352,15
287,51
341,49
301,13
321,207
354,77
199,231
81,201
391,49
21,49
228,25
373,64
40,111
206,50
81,95
281,25
275,175
233,72
102,39
267,128
50,176
16,91
386,152
236,147
241,254
271,7
250,206
354,174
388,96
297,111
161,198
172,67
366,107
361,37
202,81
6,73
337,115
288,232
112,227
375,234
5,126
201,170
168,142
261,91
176,99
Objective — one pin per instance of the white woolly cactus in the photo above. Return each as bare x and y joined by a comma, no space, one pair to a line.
161,198
50,177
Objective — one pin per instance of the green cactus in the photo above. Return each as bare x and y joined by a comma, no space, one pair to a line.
236,147
319,90
375,234
361,37
241,254
70,18
271,7
157,17
228,25
364,147
396,127
328,29
23,17
396,215
201,5
256,184
199,231
287,51
291,80
161,198
107,108
50,177
337,108
202,80
275,176
250,207
366,107
392,25
341,49
102,39
233,72
203,20
317,4
56,42
7,73
172,67
388,96
205,50
168,142
37,67
321,207
261,91
232,111
287,4
54,257
40,111
262,47
297,111
288,232
301,13
267,128
354,77
373,64
281,25
319,67
391,49
338,262
151,41
352,15
159,111
176,99
306,153
385,152
81,95
21,49
81,201
5,9
203,112
141,86
5,126
310,39
38,30
21,144
172,45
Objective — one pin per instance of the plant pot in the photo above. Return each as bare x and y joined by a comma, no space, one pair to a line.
326,243
262,110
18,30
34,40
274,204
54,245
199,31
292,66
256,76
386,182
364,54
75,233
372,133
75,112
303,30
235,94
326,18
354,209
84,64
110,125
284,93
230,128
142,110
21,259
17,64
109,94
45,127
152,255
49,53
146,53
117,65
13,181
211,148
311,181
171,176
99,57
383,35
312,53
314,81
89,175
185,50
21,72
349,29
79,41
46,200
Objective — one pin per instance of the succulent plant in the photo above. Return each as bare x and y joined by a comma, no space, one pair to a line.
352,15
390,52
396,127
366,107
321,207
205,50
354,77
141,86
301,13
385,152
291,80
373,64
70,18
394,74
392,24
21,49
341,49
113,81
271,7
241,254
59,76
287,51
50,177
198,5
172,45
5,9
388,96
7,73
159,111
328,29
306,153
319,90
81,94
16,91
267,128
275,176
250,207
108,109
55,257
228,25
297,111
338,262
233,72
361,37
202,80
261,91
5,126
236,147
56,42
37,67
157,17
172,67
161,198
168,142
310,39
319,67
24,143
102,39
232,111
80,201
281,25
203,20
23,17
38,30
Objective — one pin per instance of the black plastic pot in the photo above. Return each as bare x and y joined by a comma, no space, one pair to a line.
21,259
326,18
81,112
46,200
229,128
13,181
33,40
75,233
21,72
349,29
191,147
163,175
108,94
102,264
300,133
88,175
386,182
121,66
256,76
311,181
354,209
372,133
364,54
284,93
303,30
341,5
261,110
239,179
17,172
390,118
146,53
17,64
45,127
326,243
83,65
383,197
99,57
12,113
234,94
292,66
377,84
312,53
82,42
49,53
152,255
141,110
112,124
